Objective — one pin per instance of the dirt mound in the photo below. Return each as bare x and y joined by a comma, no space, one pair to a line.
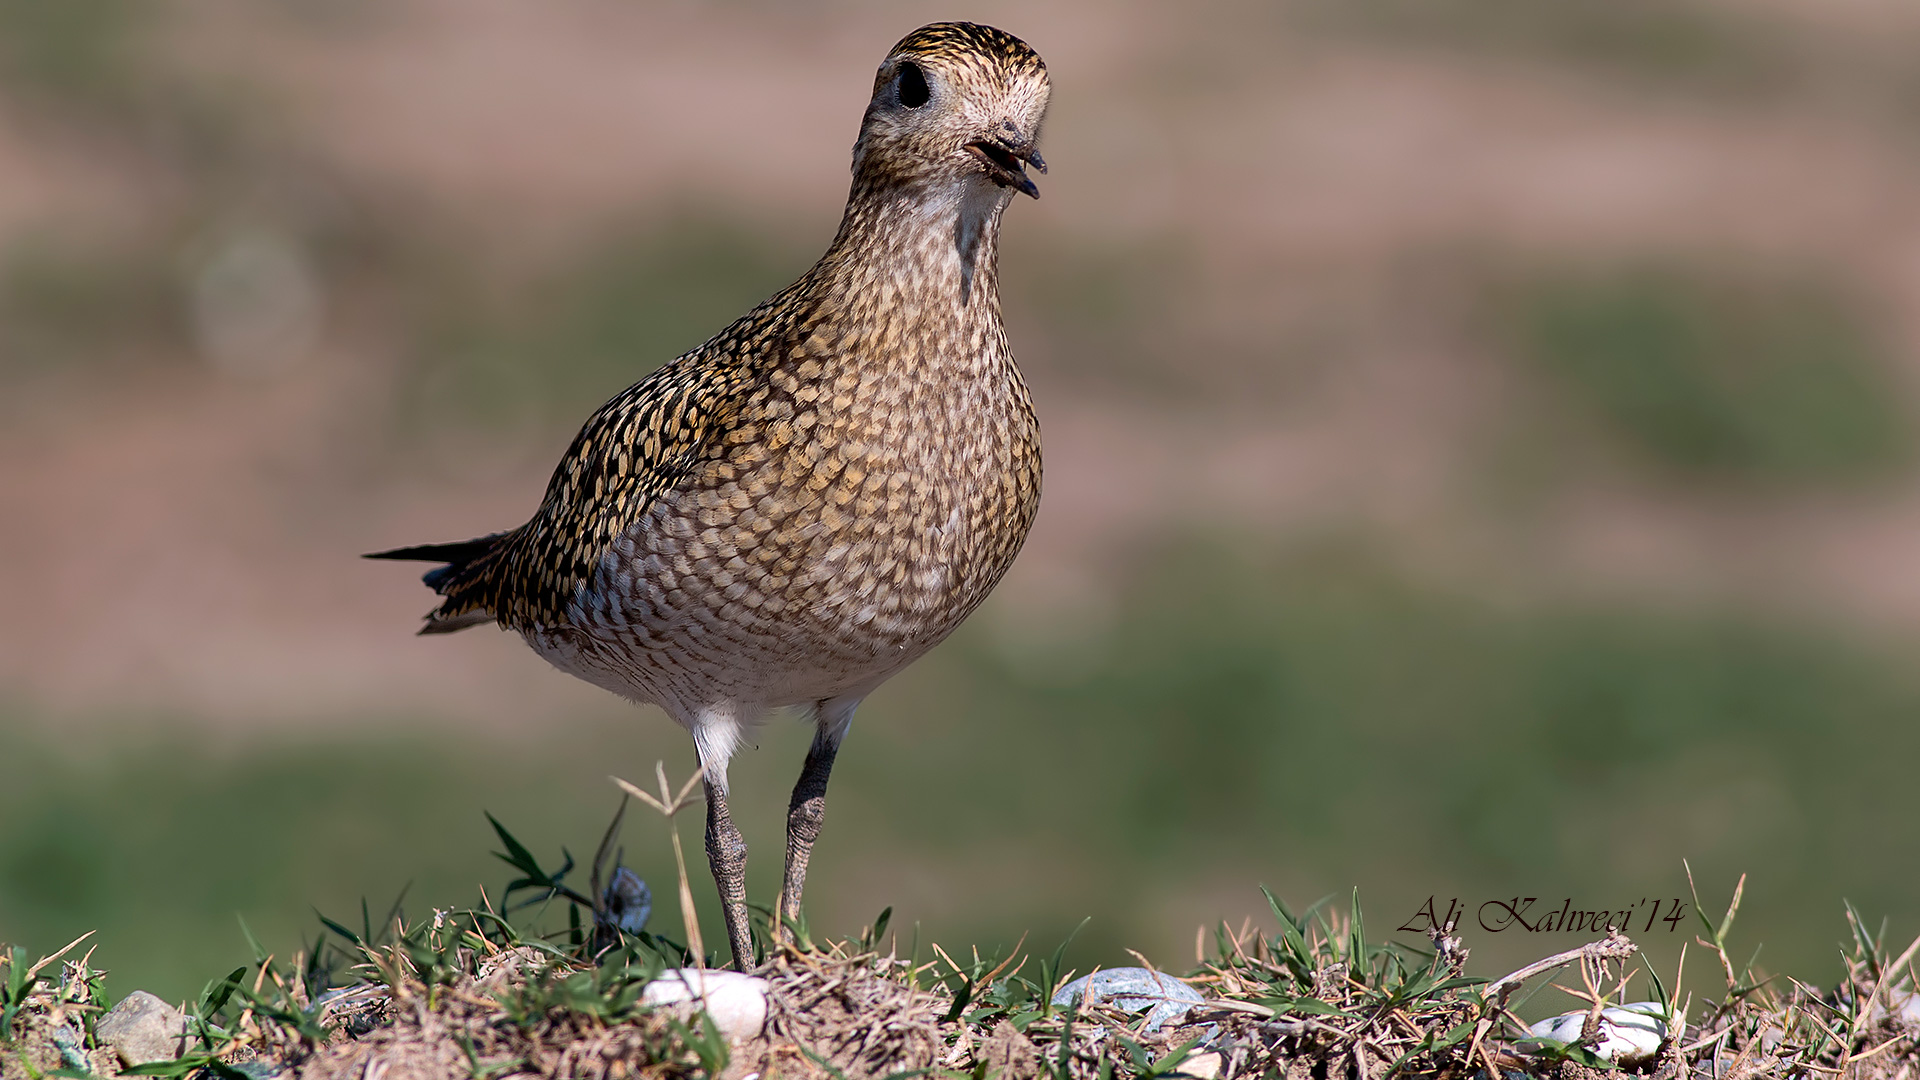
463,996
525,1014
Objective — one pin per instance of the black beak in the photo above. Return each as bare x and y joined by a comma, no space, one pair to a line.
1005,161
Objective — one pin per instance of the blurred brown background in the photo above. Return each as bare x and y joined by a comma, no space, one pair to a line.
1480,460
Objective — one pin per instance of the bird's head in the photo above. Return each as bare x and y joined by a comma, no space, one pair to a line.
955,104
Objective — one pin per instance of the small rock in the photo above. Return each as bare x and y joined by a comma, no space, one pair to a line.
142,1028
1902,1005
71,1041
1629,1034
1131,989
357,1009
737,1003
1201,1066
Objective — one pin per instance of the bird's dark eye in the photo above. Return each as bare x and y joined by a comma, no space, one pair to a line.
911,85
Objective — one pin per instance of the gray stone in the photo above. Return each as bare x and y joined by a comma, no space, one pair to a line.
143,1028
1131,989
71,1041
357,1009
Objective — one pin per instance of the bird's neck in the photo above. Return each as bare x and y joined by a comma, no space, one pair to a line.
921,256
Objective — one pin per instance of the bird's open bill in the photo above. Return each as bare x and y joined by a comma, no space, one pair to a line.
1004,164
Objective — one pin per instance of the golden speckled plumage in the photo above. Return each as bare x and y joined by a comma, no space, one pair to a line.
795,510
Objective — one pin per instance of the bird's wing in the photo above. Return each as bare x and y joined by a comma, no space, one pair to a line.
634,449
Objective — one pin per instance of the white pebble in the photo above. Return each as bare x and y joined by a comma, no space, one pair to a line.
1629,1034
737,1003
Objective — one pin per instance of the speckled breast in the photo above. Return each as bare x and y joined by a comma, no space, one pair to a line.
846,523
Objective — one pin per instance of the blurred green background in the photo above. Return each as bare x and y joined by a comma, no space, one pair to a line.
1480,446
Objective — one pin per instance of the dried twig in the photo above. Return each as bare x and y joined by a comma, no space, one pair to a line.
669,804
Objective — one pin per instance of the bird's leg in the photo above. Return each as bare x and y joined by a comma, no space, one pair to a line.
804,817
727,854
809,807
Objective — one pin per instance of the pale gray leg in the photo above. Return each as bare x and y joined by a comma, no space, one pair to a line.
808,810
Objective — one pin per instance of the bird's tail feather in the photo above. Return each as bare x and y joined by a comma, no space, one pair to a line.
466,564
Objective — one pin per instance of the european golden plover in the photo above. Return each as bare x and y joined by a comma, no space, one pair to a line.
796,510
